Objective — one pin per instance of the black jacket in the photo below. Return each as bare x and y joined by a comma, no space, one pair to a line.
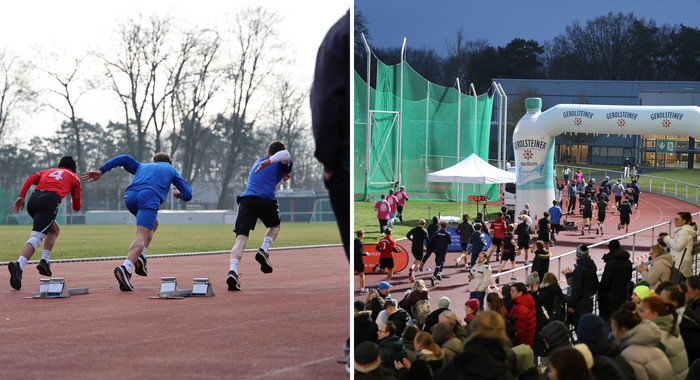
365,328
605,369
440,241
613,287
433,319
482,358
418,236
584,281
689,327
400,319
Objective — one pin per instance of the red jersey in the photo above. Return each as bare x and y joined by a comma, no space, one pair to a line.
498,226
386,247
58,180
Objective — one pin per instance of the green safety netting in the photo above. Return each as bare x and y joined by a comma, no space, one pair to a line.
429,139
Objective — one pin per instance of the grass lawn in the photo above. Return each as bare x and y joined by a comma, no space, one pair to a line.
81,241
366,217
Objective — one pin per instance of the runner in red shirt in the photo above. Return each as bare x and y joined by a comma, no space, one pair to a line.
386,247
498,228
51,186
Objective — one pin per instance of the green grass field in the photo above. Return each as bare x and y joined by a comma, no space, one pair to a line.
366,217
82,241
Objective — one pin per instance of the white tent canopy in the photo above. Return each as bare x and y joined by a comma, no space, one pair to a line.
472,169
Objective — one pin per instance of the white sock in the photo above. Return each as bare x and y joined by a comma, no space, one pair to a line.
234,265
267,242
128,265
22,262
143,253
45,255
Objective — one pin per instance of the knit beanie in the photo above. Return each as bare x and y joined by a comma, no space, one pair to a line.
473,304
367,357
586,352
582,251
444,303
642,291
591,329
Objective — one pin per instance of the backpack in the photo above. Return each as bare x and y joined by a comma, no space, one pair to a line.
676,276
421,310
558,310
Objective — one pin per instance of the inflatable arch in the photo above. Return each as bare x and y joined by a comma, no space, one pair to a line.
533,138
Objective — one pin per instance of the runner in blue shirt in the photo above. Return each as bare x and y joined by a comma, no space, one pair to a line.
555,214
258,202
143,197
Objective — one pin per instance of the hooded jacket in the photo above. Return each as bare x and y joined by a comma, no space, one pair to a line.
640,347
674,348
612,290
412,299
482,276
584,281
482,358
434,361
391,349
452,347
683,239
659,270
400,318
604,369
365,328
526,320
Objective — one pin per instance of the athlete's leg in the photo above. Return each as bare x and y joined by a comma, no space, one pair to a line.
270,237
362,281
140,238
238,247
389,273
51,236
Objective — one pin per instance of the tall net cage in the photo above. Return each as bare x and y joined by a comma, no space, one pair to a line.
404,130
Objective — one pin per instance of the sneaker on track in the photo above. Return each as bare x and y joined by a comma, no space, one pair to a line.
15,275
498,280
140,266
44,268
513,278
232,281
432,281
375,267
439,276
124,278
410,275
263,258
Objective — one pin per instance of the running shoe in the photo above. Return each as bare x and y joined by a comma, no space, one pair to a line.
263,258
498,280
513,278
410,275
232,281
420,267
432,281
15,275
140,266
597,231
375,267
44,268
619,226
439,276
124,278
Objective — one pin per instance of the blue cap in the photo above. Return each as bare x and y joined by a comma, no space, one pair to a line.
383,285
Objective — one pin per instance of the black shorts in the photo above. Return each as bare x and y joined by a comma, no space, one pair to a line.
417,253
618,199
601,218
544,237
497,242
464,246
524,244
624,219
386,262
399,209
507,256
587,214
359,265
250,209
43,208
556,227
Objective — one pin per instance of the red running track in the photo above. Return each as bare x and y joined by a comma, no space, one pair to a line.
289,324
653,209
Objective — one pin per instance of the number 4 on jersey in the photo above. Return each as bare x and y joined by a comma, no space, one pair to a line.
57,175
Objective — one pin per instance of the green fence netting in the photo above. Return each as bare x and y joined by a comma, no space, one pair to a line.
440,127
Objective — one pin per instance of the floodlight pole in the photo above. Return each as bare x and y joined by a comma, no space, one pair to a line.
399,143
460,186
368,141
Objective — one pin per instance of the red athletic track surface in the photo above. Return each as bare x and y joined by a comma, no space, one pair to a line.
653,209
289,324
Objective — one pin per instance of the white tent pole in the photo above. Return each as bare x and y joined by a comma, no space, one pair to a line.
427,117
368,143
504,121
500,126
460,186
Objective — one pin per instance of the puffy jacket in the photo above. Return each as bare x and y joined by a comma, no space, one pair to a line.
689,324
612,290
604,369
365,328
482,358
391,349
544,302
482,276
640,347
674,348
683,239
451,348
526,319
400,319
412,299
659,270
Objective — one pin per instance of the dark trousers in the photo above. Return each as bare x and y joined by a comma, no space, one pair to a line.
479,296
339,192
439,261
382,225
572,204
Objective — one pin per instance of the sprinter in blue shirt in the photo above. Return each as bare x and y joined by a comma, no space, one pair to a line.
258,202
143,197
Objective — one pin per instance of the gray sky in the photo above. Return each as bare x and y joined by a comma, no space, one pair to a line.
431,23
75,26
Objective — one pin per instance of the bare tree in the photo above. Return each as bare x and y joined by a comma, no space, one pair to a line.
139,76
16,91
255,54
196,80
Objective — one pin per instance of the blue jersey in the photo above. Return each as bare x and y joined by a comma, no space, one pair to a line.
263,183
156,176
555,214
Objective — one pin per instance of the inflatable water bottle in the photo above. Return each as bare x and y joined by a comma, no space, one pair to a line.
533,149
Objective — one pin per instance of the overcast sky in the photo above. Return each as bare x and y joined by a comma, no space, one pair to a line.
78,25
431,23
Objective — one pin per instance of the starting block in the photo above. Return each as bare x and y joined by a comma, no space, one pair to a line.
56,288
169,289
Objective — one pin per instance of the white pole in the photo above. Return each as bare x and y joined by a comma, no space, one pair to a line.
500,106
398,151
505,121
460,186
427,117
369,122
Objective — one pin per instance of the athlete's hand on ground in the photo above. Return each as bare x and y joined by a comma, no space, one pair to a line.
263,165
91,176
18,205
176,194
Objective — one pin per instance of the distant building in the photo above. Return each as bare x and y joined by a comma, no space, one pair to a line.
608,149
